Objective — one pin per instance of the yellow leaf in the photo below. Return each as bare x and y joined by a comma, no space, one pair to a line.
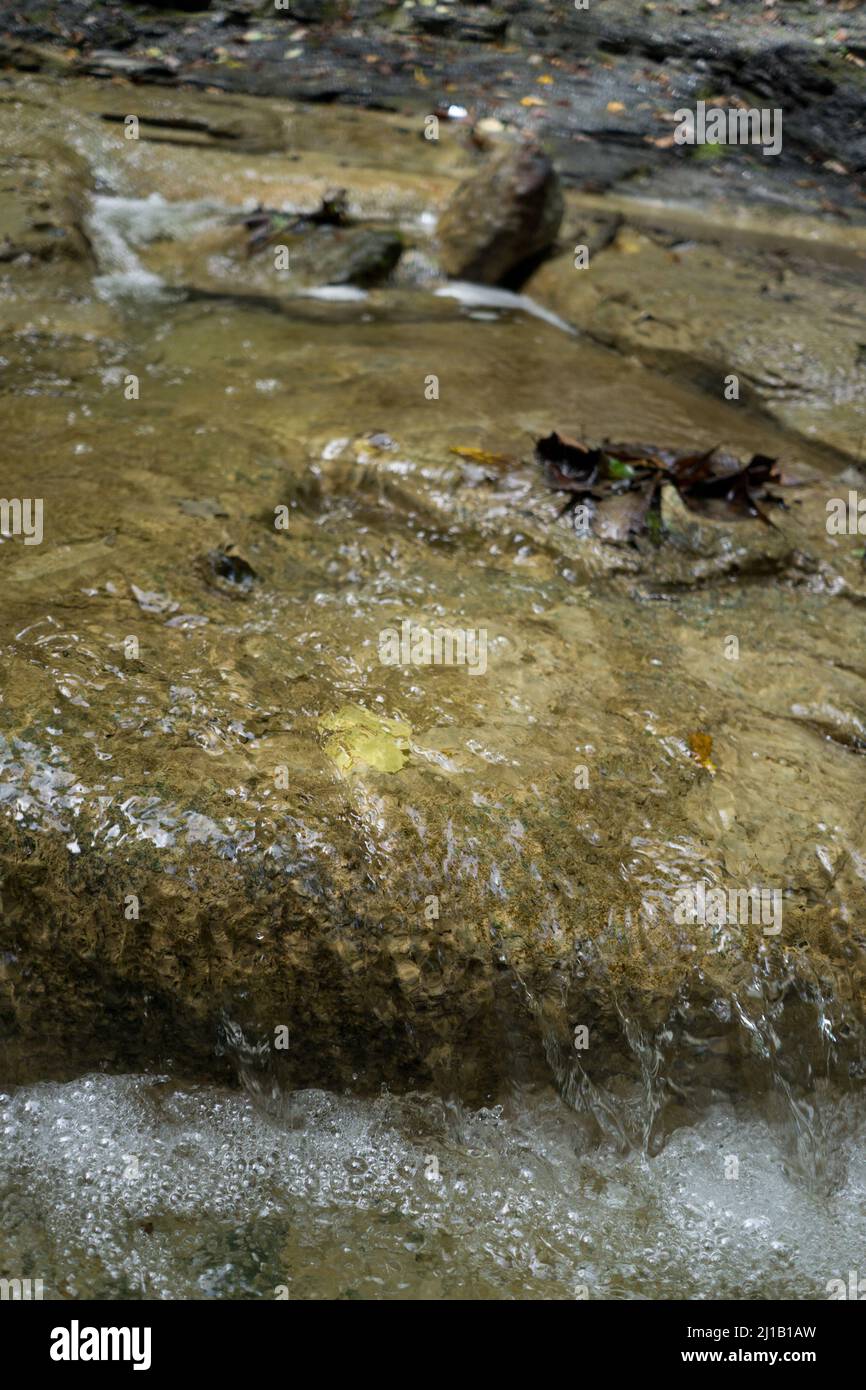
421,78
615,106
627,242
532,101
481,456
356,735
544,80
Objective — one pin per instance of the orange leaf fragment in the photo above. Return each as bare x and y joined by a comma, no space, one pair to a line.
482,456
701,748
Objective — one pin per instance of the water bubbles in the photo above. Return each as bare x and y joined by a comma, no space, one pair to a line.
335,1200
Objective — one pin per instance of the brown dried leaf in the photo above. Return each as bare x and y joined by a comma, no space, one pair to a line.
701,748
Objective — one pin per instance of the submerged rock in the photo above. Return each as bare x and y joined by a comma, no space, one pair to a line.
360,256
501,218
206,836
324,247
230,574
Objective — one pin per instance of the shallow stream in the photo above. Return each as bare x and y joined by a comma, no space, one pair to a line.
253,396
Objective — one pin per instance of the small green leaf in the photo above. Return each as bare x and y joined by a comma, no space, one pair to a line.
617,469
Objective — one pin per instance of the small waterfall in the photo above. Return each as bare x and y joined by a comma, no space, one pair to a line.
118,226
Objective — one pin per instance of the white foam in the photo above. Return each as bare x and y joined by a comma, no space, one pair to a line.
490,297
349,293
130,1186
117,226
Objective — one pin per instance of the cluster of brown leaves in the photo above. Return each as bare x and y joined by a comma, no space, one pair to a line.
623,482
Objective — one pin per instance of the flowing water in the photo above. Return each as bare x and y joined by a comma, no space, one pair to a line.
130,1187
639,1180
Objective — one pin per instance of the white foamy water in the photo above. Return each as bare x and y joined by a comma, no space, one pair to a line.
488,297
130,1187
349,293
117,226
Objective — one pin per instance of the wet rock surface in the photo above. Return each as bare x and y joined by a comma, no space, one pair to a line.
774,327
224,817
469,23
43,199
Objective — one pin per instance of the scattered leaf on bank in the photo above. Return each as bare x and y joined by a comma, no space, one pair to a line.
567,462
615,106
532,101
701,748
356,735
